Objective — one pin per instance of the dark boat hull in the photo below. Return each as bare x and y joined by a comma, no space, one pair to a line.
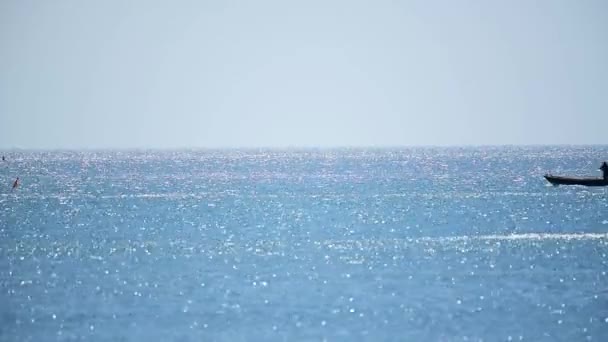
557,180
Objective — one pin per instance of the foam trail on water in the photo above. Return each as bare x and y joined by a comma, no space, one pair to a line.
522,236
602,238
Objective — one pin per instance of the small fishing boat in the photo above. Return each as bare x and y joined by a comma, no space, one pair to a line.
560,180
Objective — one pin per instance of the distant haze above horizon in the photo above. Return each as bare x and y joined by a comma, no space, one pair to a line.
203,74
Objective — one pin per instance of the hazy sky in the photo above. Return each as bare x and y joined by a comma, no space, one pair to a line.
103,74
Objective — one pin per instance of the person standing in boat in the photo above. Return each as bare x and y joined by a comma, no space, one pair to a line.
604,169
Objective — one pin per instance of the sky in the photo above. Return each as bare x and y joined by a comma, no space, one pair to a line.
329,73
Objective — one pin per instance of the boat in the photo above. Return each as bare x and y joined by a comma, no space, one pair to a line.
586,181
557,180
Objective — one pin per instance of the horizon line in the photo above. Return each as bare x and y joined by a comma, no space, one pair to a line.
287,147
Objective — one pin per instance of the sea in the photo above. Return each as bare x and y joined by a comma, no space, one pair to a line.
352,244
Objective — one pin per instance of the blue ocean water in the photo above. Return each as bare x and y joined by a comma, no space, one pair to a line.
412,244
